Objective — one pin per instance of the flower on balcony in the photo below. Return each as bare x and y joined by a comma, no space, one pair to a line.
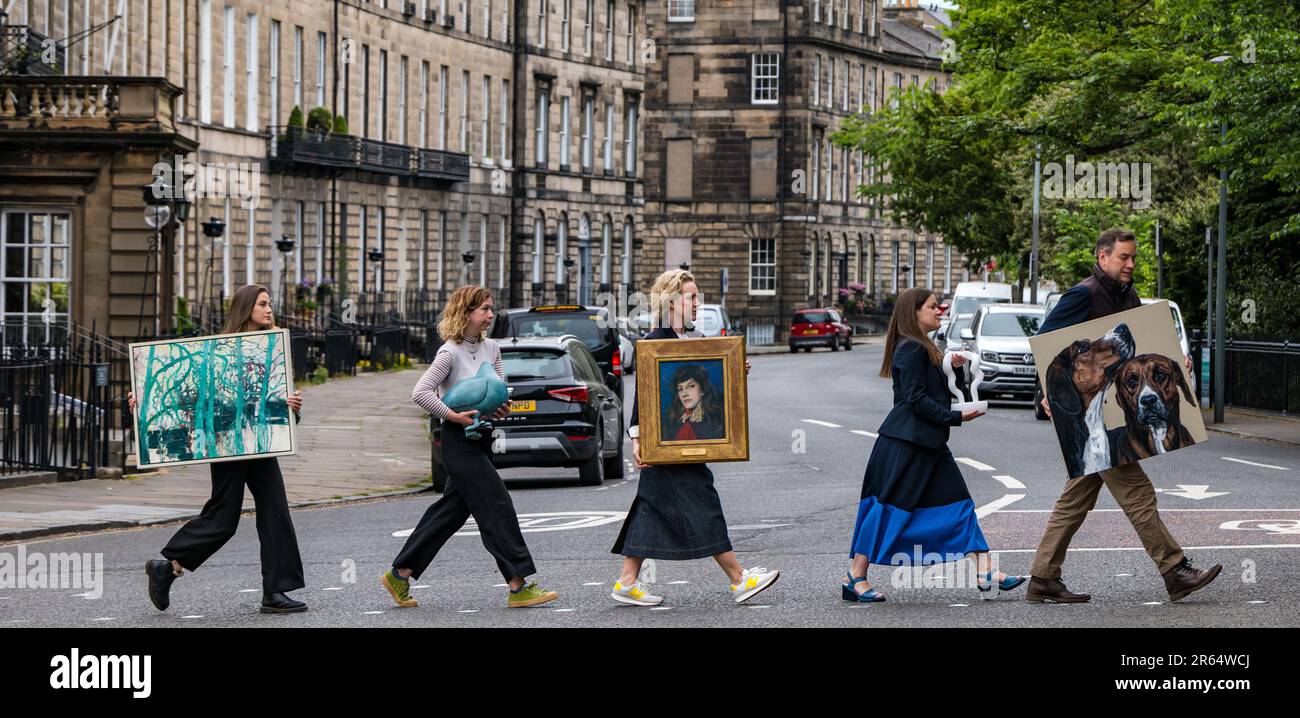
858,288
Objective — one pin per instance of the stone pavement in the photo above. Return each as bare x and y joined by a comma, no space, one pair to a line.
360,437
1255,425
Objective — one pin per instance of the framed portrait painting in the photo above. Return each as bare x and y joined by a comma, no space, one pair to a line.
692,404
216,398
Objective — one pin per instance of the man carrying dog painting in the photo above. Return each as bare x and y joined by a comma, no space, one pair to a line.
1109,290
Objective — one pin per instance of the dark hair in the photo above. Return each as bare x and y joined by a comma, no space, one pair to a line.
241,309
903,325
1106,240
710,403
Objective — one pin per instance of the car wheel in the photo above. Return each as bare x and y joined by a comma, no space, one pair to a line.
1038,407
592,471
808,350
848,343
439,477
794,349
835,342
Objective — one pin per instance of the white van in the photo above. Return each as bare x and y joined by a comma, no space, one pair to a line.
970,296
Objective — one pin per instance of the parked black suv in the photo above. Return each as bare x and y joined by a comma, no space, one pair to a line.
562,412
594,326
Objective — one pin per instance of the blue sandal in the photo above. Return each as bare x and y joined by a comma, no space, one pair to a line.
984,582
848,593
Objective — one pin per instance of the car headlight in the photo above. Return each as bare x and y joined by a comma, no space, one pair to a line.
989,356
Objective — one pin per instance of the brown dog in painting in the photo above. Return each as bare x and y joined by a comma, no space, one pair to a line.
1076,383
1147,388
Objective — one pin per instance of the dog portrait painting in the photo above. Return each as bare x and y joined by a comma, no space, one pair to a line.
1117,389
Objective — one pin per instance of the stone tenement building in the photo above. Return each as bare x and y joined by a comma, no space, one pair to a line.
501,142
739,173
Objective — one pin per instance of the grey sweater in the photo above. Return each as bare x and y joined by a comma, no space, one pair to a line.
453,362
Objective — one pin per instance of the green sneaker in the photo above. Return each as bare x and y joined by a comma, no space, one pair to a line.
399,590
531,595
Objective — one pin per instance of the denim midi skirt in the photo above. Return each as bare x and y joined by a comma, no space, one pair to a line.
676,516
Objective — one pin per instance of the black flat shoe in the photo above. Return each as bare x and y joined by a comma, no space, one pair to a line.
160,575
279,603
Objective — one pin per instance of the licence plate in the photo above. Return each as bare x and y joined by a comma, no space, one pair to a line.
1026,371
529,405
810,331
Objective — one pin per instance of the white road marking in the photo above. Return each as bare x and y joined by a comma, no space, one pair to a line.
551,521
472,610
20,620
1009,481
994,506
372,613
248,590
564,610
975,464
1255,463
1152,603
1194,491
742,527
88,595
822,423
1256,603
333,588
760,606
191,616
594,583
677,583
959,605
1123,575
106,618
662,608
419,585
1162,510
500,585
864,433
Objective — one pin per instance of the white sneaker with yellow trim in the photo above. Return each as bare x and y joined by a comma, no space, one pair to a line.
752,581
634,595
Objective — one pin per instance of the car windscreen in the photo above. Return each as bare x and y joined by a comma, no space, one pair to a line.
970,305
584,327
527,365
811,317
1010,325
707,317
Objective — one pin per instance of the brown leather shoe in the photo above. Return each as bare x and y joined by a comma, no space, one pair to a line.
1183,579
1043,590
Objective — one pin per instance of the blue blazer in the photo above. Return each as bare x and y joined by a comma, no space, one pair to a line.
921,412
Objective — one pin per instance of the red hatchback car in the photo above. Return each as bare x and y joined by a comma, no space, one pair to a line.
819,328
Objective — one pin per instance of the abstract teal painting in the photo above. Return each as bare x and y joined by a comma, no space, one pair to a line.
216,398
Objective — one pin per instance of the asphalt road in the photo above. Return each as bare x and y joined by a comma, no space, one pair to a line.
790,507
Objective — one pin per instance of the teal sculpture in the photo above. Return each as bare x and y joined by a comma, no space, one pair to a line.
484,391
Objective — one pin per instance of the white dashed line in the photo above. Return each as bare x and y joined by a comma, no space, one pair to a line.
594,583
860,432
419,585
564,610
959,605
373,613
1152,603
822,423
975,464
191,616
1123,575
1139,548
471,610
760,606
333,588
1009,481
662,608
500,585
1256,603
248,590
106,618
989,508
1255,463
677,583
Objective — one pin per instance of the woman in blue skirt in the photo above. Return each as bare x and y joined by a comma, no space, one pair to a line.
915,508
677,514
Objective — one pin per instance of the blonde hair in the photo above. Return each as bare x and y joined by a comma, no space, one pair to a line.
455,317
666,287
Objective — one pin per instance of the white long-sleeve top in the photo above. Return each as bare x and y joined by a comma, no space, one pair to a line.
453,362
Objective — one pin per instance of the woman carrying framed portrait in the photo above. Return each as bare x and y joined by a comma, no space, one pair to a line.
677,514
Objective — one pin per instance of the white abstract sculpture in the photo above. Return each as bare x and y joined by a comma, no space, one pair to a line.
974,375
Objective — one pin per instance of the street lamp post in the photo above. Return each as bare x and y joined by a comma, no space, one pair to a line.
285,245
376,258
212,229
166,207
1221,296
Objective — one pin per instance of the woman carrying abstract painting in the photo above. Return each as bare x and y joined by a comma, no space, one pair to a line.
196,541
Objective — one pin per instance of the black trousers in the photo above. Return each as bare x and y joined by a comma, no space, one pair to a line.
197,540
474,488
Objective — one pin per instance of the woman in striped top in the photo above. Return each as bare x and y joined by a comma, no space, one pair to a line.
474,488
